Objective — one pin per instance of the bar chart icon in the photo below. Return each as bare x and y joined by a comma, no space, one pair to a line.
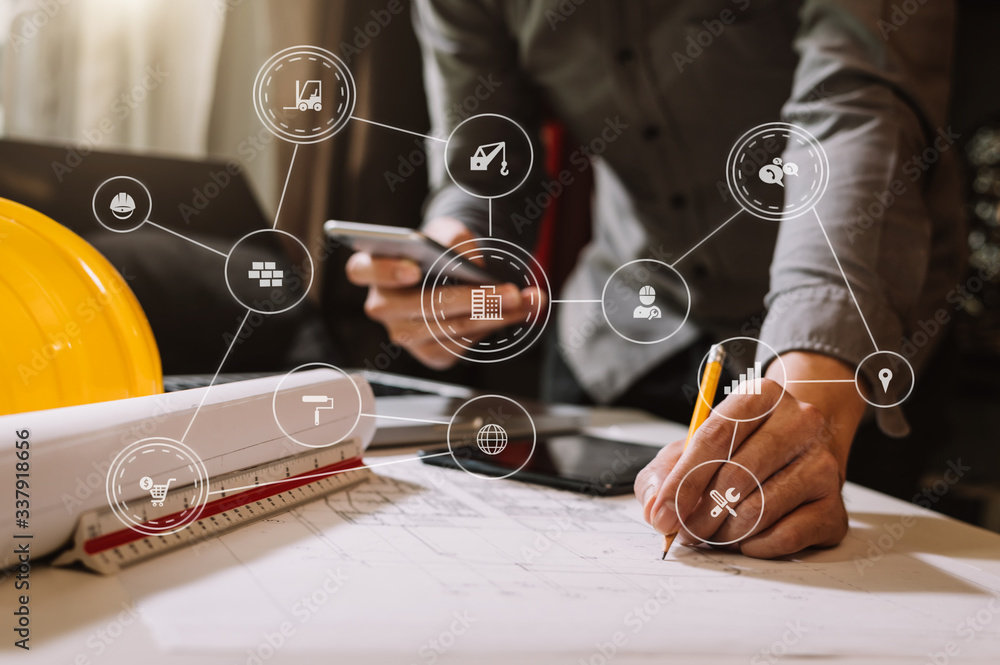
747,384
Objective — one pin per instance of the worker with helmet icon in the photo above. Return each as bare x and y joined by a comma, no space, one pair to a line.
646,309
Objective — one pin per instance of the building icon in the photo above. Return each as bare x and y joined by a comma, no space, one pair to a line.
487,304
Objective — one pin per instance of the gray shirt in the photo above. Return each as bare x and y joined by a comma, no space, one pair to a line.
679,82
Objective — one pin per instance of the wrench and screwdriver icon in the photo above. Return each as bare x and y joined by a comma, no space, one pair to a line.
732,496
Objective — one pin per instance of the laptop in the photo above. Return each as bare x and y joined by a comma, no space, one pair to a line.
207,198
59,182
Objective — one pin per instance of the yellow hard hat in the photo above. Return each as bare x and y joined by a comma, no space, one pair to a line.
71,332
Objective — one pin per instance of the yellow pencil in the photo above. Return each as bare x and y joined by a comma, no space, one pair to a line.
702,408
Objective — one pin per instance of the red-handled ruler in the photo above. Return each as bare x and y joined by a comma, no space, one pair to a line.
105,544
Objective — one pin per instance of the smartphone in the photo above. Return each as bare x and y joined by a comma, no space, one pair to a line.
575,462
394,242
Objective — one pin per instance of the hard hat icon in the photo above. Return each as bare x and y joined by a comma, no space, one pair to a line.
122,206
647,295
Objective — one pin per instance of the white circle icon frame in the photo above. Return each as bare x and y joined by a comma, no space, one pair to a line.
527,171
604,308
715,543
316,365
857,379
429,287
327,59
777,358
93,204
305,291
170,446
531,421
733,171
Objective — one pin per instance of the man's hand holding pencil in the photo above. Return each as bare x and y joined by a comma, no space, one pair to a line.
798,452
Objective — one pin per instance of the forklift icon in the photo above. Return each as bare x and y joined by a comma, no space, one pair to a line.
308,96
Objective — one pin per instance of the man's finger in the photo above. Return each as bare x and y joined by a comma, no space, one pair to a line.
716,436
800,482
771,455
409,332
436,354
454,304
649,480
456,301
712,441
447,231
822,523
433,355
366,270
389,305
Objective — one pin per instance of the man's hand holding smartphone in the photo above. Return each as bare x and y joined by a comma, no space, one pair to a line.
394,299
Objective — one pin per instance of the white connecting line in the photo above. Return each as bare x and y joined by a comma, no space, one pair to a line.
410,420
247,315
848,283
204,396
215,377
819,381
398,129
732,444
702,241
183,237
285,188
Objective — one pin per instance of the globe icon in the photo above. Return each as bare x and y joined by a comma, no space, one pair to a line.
491,439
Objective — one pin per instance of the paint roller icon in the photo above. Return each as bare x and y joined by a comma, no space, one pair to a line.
325,402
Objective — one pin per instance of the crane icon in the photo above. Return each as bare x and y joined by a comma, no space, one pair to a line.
308,96
481,161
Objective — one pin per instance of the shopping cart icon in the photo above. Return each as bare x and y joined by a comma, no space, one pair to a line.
157,492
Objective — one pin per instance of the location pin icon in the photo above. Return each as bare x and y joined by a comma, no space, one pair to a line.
885,376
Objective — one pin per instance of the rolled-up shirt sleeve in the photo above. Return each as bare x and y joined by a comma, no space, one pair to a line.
471,67
847,278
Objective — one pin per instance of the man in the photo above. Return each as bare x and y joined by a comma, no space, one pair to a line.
681,82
